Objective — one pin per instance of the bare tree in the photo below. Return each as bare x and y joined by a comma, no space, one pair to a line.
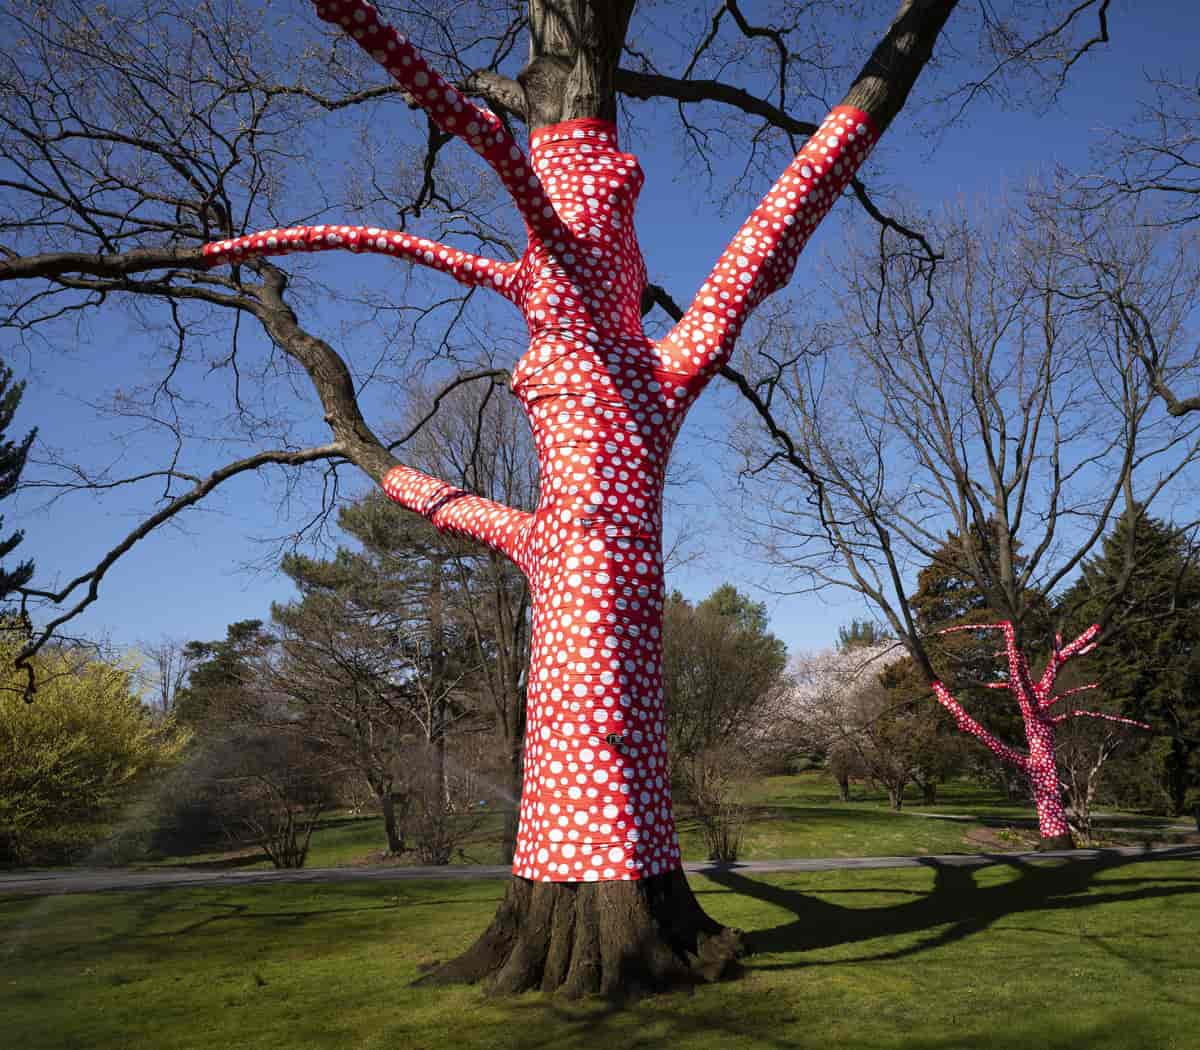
168,667
272,789
479,438
983,404
1084,747
134,172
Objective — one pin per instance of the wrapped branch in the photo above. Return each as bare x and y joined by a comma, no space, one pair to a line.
762,256
448,108
460,513
1103,716
464,267
968,725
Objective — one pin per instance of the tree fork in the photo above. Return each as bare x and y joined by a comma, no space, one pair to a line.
598,903
614,939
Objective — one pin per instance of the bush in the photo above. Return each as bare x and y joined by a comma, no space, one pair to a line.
71,760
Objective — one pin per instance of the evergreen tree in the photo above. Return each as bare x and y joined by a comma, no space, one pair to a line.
375,656
861,634
1150,669
12,462
220,670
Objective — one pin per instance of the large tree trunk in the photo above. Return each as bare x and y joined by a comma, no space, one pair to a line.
599,902
616,939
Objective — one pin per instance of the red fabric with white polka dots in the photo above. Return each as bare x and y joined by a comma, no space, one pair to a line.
1035,700
605,404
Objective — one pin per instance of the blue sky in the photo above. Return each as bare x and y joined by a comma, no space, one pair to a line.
191,579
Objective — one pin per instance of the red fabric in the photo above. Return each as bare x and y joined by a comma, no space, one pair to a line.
605,403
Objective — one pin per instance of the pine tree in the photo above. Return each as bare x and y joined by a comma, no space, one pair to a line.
861,634
12,462
375,655
1151,670
220,669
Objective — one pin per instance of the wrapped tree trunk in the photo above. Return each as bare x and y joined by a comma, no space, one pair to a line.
598,902
1035,699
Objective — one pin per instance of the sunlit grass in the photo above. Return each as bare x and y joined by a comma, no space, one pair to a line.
1085,955
788,816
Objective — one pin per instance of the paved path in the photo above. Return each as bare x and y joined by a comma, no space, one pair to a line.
83,880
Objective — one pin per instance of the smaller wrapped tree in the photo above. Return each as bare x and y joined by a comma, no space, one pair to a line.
1037,701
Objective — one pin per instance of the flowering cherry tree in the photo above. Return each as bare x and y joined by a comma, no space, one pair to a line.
1038,702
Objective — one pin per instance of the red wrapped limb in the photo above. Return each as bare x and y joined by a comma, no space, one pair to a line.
462,266
968,725
1101,715
1052,700
1033,699
447,107
762,255
454,510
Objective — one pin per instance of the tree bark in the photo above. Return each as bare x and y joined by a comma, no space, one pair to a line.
616,939
513,790
391,827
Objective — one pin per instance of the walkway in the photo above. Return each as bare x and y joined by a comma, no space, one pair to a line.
84,880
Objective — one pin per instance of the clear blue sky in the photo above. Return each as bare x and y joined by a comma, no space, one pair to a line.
190,580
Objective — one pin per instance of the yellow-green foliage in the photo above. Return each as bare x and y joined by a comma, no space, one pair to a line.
78,752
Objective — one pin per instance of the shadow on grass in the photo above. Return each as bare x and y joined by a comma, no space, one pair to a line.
957,907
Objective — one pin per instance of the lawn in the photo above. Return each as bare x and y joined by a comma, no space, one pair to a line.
789,816
1091,954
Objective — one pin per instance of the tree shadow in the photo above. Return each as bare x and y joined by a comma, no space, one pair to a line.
957,907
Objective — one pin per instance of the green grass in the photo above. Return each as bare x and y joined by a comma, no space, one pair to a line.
790,816
1095,955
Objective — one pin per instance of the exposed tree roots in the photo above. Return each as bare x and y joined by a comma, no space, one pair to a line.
616,939
1055,842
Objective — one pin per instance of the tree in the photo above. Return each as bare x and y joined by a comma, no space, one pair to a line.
220,672
821,713
72,761
948,595
12,462
977,401
168,667
374,663
722,676
1153,671
271,787
861,634
605,402
485,441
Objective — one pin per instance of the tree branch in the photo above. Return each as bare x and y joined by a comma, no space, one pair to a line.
93,577
464,267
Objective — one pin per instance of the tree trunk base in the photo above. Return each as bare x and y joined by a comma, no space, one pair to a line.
1049,843
616,939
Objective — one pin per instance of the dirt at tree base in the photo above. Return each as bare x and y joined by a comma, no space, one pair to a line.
611,938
